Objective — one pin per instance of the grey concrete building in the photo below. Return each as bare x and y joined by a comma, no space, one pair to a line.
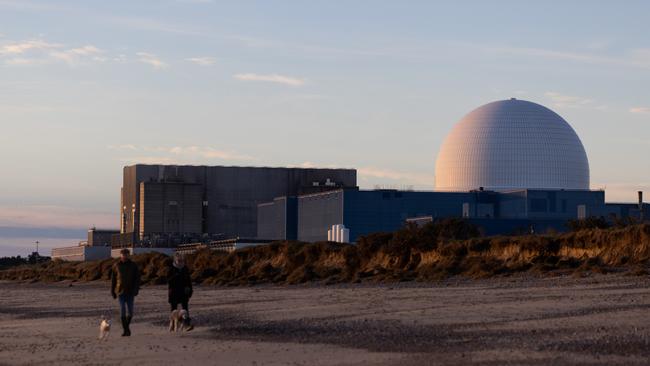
169,200
277,220
100,237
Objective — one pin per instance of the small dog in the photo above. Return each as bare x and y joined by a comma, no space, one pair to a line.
178,320
104,328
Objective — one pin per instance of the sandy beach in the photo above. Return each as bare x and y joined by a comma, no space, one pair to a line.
601,319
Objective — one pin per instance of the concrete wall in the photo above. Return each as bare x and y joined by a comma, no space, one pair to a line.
231,193
317,213
278,220
100,238
272,219
81,253
170,208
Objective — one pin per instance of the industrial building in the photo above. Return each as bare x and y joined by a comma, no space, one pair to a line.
368,211
163,205
97,246
509,167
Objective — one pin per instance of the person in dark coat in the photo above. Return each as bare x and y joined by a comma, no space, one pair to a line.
125,285
180,286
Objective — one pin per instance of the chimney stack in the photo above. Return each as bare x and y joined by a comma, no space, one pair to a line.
641,205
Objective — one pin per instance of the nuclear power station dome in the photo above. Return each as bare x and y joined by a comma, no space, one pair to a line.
512,144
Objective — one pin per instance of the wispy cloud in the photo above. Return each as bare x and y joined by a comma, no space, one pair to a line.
635,57
151,59
39,52
176,154
410,178
145,159
202,61
152,25
561,100
75,55
640,110
23,61
16,48
272,78
207,153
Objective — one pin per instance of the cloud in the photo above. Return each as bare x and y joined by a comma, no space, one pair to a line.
640,110
307,164
154,160
39,52
177,154
15,48
202,61
208,153
22,61
272,78
85,50
152,25
151,59
561,100
74,56
636,57
366,173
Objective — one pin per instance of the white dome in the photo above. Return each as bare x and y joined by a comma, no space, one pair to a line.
512,144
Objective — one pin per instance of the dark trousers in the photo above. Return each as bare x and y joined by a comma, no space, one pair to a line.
126,304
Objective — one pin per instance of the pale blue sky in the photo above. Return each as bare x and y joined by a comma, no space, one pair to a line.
88,86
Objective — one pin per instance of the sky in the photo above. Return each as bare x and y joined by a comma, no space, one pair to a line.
87,87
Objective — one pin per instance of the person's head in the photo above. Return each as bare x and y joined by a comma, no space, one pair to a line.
124,255
179,260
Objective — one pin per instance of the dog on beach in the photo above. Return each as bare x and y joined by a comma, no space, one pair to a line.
178,320
104,328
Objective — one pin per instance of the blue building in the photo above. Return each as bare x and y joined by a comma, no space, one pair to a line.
308,217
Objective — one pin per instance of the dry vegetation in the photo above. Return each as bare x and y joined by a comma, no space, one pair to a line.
433,252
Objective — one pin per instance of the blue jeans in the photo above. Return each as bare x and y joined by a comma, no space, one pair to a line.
126,303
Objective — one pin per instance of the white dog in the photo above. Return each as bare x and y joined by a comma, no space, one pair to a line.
178,320
104,328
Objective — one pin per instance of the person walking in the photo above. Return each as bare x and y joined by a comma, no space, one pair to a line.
125,285
179,284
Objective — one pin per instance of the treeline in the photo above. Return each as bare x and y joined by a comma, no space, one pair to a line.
34,258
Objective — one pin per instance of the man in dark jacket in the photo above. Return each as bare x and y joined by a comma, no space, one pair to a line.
180,286
125,284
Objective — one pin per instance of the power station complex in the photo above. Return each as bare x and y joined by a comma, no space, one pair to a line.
509,166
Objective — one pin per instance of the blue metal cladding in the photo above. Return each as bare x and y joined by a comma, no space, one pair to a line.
366,212
292,218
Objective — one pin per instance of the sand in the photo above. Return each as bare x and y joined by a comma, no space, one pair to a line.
601,319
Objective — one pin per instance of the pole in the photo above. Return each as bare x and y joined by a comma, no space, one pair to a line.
36,246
